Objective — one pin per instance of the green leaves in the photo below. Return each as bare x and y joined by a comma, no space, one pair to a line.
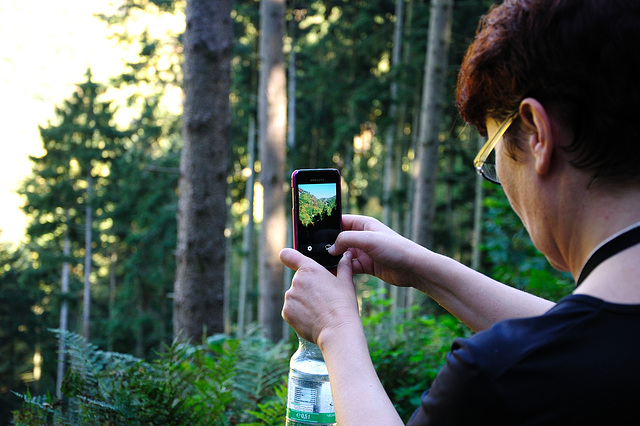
312,209
408,353
511,257
220,382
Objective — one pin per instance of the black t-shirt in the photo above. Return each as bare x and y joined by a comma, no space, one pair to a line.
577,364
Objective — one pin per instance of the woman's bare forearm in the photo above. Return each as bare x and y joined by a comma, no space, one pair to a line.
474,298
358,395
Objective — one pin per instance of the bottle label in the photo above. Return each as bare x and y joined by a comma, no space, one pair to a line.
310,401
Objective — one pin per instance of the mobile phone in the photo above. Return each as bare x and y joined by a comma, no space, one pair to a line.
317,213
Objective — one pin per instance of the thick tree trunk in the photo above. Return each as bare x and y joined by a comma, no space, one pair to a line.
202,211
272,124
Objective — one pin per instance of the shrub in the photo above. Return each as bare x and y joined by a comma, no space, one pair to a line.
224,381
408,353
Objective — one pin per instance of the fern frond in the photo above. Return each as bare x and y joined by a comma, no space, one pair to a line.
218,382
261,366
36,410
272,412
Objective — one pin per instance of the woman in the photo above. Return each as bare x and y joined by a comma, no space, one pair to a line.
554,85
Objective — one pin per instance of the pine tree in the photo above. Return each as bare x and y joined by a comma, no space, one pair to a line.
18,329
66,186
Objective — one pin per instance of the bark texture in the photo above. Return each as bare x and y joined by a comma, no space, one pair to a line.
272,122
202,210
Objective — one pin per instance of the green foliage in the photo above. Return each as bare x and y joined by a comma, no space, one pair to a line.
18,329
511,257
228,381
134,203
272,412
36,411
312,209
408,353
220,382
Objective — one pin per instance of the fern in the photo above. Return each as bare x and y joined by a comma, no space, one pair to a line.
272,412
210,368
94,380
261,367
111,388
37,410
238,374
219,382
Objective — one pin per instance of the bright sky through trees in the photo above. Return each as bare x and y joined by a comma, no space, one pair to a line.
47,47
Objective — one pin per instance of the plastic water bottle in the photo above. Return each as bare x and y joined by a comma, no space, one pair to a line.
309,399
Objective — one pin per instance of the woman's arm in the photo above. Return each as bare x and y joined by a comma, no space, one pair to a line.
358,395
323,308
474,298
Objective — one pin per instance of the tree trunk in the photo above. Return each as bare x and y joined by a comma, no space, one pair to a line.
202,210
246,269
112,297
291,88
272,122
477,218
390,181
390,138
138,329
227,278
431,114
86,311
291,146
64,310
401,217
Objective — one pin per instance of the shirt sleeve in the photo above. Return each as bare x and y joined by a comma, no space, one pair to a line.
460,394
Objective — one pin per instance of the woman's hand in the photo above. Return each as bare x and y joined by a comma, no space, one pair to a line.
323,308
318,300
378,250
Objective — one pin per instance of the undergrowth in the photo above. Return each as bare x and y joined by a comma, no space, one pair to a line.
223,381
228,381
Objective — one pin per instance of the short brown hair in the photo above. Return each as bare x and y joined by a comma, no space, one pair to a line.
579,57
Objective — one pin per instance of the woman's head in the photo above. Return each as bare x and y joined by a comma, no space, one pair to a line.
579,58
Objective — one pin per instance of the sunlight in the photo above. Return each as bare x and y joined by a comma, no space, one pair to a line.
258,202
39,66
37,365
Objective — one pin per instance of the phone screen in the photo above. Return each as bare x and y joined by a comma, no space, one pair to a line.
317,213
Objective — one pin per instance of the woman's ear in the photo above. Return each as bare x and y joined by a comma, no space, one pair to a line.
537,124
